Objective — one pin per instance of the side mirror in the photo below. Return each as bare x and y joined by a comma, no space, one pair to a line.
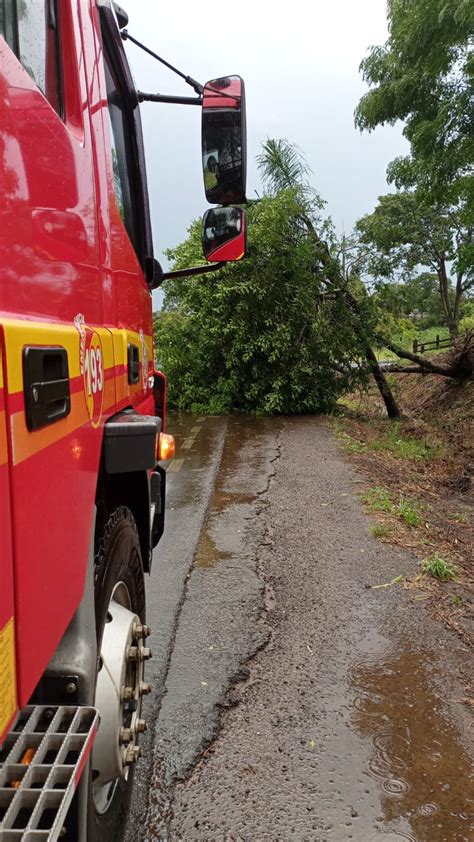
224,234
224,142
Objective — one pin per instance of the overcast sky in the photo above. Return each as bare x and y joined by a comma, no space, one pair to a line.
299,60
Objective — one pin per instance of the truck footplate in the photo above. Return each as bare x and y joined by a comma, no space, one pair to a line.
41,761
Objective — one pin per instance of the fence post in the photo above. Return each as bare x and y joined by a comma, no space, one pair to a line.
415,346
437,341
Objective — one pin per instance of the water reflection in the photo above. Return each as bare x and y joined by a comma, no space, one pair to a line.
424,773
243,468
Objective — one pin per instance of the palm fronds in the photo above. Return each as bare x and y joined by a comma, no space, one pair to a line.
282,166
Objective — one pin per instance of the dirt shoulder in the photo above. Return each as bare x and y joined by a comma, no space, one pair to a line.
352,723
418,485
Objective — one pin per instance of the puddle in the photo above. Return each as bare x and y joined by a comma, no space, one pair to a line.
244,461
209,553
192,462
424,776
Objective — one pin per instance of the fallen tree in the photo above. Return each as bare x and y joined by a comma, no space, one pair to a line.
460,365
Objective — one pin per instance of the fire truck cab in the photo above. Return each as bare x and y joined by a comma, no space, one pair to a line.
82,408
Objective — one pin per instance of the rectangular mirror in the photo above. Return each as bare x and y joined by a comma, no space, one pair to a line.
224,234
224,140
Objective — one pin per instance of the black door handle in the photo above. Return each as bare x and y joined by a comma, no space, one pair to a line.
46,384
133,363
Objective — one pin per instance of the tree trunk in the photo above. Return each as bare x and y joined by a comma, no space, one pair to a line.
461,366
335,281
457,299
451,320
391,405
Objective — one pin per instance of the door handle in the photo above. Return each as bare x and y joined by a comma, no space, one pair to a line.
133,363
46,385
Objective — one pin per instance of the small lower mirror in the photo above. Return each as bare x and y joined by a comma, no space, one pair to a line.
224,234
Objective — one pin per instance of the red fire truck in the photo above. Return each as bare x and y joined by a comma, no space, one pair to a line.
82,409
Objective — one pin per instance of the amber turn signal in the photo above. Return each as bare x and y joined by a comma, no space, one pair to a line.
166,447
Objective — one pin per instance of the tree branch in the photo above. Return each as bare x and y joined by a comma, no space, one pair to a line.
425,365
402,369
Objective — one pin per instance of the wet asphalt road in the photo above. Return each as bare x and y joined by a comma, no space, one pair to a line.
296,701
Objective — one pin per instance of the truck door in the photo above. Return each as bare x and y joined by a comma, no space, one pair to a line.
121,168
7,620
58,357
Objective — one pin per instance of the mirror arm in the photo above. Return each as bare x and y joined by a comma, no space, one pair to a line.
188,79
176,100
198,270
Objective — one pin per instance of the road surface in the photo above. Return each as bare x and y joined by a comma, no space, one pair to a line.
292,699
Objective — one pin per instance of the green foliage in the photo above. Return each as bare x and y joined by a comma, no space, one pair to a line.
377,499
438,567
283,167
409,302
389,440
408,231
404,233
404,447
423,75
257,336
380,530
467,321
407,511
352,445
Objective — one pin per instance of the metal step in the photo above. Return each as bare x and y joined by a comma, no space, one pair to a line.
41,761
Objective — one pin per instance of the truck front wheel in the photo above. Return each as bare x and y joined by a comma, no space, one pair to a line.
120,618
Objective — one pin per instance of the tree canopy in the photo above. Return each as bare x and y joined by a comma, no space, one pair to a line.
405,234
260,335
424,75
292,327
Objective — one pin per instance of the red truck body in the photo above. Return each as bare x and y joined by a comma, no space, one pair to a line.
82,409
69,278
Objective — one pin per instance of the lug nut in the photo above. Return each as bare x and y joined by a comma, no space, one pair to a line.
140,726
132,754
132,654
127,693
145,688
141,631
145,653
126,735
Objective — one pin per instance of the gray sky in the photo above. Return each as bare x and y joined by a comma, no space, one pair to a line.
300,64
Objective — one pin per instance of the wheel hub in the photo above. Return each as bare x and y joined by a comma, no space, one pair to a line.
119,693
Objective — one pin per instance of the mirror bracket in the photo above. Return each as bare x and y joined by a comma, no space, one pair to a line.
175,100
155,276
153,273
197,270
188,79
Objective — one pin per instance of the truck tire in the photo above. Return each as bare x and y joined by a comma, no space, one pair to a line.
118,579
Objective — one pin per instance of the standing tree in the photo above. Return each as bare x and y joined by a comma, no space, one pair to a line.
423,75
405,233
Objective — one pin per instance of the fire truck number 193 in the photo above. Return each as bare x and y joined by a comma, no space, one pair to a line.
91,362
93,371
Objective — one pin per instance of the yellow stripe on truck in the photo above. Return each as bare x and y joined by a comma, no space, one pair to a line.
7,675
